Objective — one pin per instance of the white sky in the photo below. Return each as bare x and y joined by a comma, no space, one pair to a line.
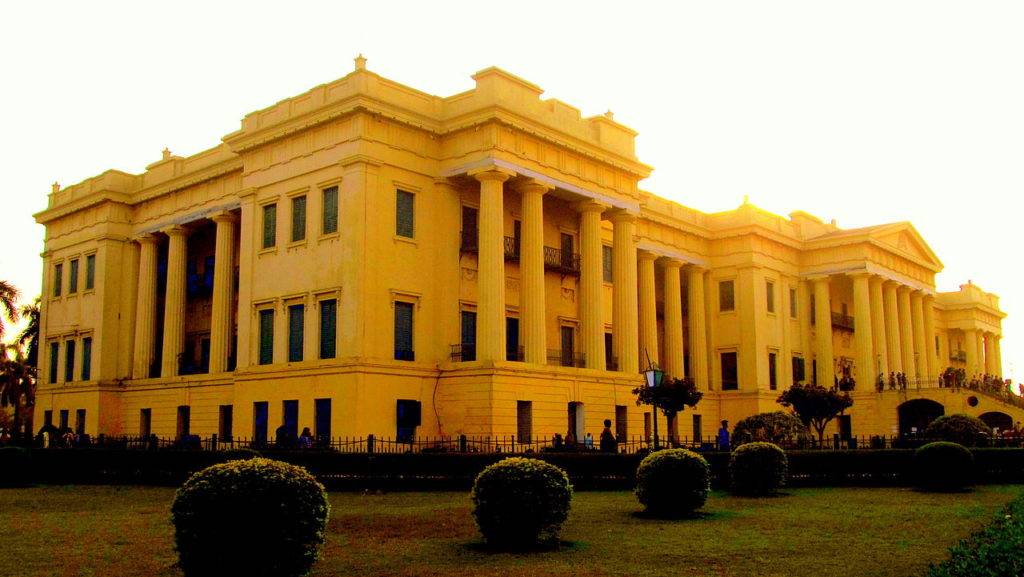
867,112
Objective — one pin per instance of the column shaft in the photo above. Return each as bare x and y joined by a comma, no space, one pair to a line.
931,356
648,310
145,308
863,332
971,344
920,343
980,347
880,345
997,348
531,266
698,329
823,332
625,337
490,337
906,331
672,364
803,314
174,301
591,311
221,317
892,329
990,354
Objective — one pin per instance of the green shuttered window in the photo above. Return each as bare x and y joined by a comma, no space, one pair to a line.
69,361
73,277
58,279
86,358
403,332
404,207
298,218
296,337
269,225
331,210
606,263
54,359
266,336
328,328
90,272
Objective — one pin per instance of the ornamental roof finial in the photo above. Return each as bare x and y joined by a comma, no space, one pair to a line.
55,187
166,153
360,62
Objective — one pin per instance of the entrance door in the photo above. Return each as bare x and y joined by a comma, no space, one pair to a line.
512,339
291,419
468,336
576,425
568,345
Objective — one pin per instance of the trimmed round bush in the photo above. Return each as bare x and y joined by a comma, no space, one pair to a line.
944,466
673,482
963,429
16,464
239,454
255,517
521,502
758,469
777,427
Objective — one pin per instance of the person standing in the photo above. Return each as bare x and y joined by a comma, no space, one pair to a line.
723,437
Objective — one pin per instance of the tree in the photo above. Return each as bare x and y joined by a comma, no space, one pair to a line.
815,406
8,305
671,396
778,427
29,336
17,385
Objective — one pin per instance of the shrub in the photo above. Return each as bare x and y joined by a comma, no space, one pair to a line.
963,429
16,466
758,469
521,502
777,427
239,454
995,551
256,517
673,482
944,466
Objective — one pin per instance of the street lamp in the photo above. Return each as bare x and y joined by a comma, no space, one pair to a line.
652,377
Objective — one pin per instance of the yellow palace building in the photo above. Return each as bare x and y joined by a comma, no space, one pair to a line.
366,258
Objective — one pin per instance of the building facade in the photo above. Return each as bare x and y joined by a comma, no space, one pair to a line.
366,258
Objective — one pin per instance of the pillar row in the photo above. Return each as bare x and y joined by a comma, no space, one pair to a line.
863,332
591,312
531,266
931,356
174,301
920,348
906,331
892,328
881,348
672,364
145,308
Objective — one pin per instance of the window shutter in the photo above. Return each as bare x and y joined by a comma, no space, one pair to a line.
298,218
404,214
86,358
606,261
54,359
58,279
266,336
331,210
69,361
90,271
328,328
403,332
269,225
73,277
296,318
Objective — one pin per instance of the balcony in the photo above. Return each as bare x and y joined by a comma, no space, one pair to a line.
564,263
842,322
463,352
959,356
470,243
565,358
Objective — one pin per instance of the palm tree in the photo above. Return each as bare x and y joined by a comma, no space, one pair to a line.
8,304
29,336
17,384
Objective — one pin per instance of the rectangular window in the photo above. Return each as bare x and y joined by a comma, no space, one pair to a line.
770,295
621,422
298,218
404,213
726,296
322,420
226,423
647,426
512,339
792,304
730,375
524,421
63,420
184,426
296,336
73,277
47,418
407,418
80,422
568,335
330,217
606,263
266,336
814,310
936,344
403,332
58,279
610,362
698,429
145,422
269,225
773,377
799,374
86,358
69,361
470,229
260,418
467,342
290,418
90,272
328,328
54,360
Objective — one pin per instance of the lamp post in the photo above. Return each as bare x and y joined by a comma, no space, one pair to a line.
653,376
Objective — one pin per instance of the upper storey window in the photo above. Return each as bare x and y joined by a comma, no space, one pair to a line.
269,226
58,278
606,263
792,303
298,218
404,213
90,272
330,224
73,277
770,295
726,296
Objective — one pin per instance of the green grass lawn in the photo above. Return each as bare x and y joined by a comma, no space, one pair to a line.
125,532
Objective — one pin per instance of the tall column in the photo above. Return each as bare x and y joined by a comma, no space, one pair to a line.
220,317
881,348
906,331
980,347
990,354
784,367
997,349
863,331
920,343
931,356
823,331
698,330
892,329
145,308
648,309
803,314
490,278
531,266
174,301
672,364
591,311
624,310
971,344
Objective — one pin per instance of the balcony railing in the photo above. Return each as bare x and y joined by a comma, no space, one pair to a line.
960,356
470,243
565,358
842,322
565,263
463,352
512,245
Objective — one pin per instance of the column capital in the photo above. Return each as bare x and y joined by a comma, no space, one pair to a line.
621,215
147,238
589,206
672,263
645,255
225,216
174,230
859,273
818,278
696,268
532,185
491,173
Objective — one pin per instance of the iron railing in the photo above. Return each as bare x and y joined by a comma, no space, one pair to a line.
463,352
841,321
565,358
512,246
565,263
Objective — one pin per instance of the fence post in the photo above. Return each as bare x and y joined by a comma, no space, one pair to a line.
369,444
462,443
213,442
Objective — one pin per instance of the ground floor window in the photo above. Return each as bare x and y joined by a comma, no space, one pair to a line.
63,420
260,414
730,373
621,427
184,421
322,420
799,371
576,429
407,419
289,422
226,423
145,422
80,422
698,431
773,377
524,421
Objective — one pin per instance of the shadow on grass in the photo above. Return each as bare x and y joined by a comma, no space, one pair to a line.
550,546
694,516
